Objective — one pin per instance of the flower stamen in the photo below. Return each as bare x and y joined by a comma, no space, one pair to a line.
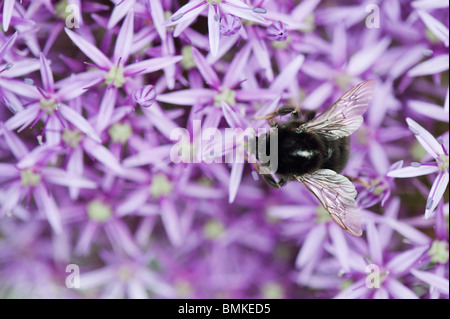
99,211
228,96
115,77
29,178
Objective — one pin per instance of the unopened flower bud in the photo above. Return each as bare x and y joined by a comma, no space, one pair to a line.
277,31
145,96
229,25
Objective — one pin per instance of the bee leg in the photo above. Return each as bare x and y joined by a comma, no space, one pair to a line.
284,110
269,179
273,123
272,182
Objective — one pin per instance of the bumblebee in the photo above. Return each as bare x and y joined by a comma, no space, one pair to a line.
315,149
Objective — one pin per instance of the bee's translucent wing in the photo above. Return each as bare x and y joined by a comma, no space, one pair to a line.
337,195
345,115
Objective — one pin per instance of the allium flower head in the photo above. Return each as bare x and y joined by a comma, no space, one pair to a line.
184,16
439,151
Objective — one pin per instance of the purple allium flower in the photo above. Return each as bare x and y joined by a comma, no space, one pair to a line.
115,72
438,254
29,176
376,188
48,103
135,278
439,151
184,16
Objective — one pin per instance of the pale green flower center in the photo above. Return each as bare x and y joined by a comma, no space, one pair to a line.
439,252
48,105
346,283
120,132
272,290
417,151
167,15
311,21
227,95
184,288
115,76
72,137
248,23
125,273
160,186
431,36
29,178
343,81
213,229
188,60
443,162
60,9
362,135
99,211
205,181
322,215
214,1
378,187
281,45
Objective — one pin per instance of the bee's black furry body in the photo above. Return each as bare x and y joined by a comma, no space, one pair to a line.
303,153
314,150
